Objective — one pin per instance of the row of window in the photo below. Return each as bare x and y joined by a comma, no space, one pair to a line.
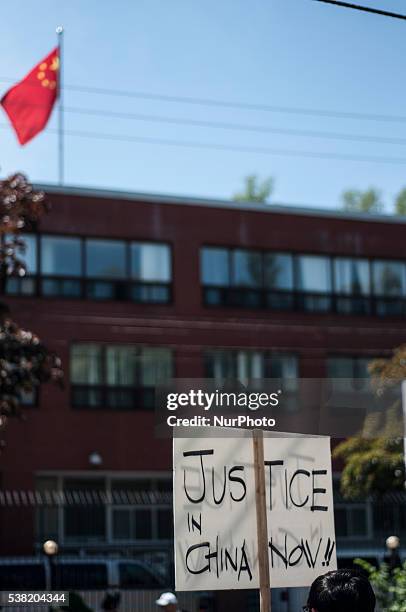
117,376
142,272
315,283
366,519
306,273
73,257
95,269
125,376
56,256
127,521
116,522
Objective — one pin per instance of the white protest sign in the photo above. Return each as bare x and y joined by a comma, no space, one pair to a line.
215,512
300,509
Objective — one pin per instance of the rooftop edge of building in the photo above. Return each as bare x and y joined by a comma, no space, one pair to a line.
271,208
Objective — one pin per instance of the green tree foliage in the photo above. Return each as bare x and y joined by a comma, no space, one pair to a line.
389,586
400,202
255,190
25,362
369,201
374,461
370,466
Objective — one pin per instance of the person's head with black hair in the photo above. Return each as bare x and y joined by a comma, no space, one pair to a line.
344,590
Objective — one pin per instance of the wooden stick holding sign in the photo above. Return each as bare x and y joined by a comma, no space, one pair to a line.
262,523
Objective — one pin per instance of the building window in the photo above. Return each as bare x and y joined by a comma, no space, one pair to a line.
388,515
352,285
155,366
349,373
308,283
47,515
150,262
71,267
284,367
350,521
352,518
215,267
29,254
351,276
278,268
313,280
389,287
86,375
148,521
81,522
25,285
241,277
151,268
313,274
348,367
254,279
278,278
388,278
246,268
61,257
102,510
224,364
117,376
228,364
122,375
105,259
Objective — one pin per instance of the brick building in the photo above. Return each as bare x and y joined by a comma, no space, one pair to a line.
130,289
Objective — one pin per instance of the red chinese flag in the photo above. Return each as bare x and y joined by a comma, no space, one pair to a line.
29,103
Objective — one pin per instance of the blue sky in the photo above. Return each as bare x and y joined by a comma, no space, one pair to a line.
288,53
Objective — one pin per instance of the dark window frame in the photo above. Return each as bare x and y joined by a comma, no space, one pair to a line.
385,260
267,354
355,359
120,289
359,384
40,247
285,300
115,492
141,397
348,507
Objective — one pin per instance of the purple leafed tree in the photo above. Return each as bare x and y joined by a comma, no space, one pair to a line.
25,362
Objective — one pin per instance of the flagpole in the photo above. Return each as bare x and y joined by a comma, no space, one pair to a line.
61,150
